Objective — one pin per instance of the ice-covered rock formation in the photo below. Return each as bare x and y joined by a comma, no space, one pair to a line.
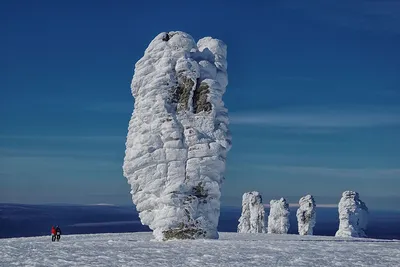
278,219
353,216
178,136
252,219
306,215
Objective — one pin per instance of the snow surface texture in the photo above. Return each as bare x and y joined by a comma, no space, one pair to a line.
252,219
232,249
178,136
278,219
306,215
353,216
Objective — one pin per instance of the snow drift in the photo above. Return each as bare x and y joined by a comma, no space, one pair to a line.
353,216
178,136
252,219
306,215
278,219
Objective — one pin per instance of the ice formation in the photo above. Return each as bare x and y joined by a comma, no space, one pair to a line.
178,136
306,215
278,219
252,219
353,216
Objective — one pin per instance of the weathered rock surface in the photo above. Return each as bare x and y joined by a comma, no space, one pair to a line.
252,219
178,136
353,216
306,215
278,219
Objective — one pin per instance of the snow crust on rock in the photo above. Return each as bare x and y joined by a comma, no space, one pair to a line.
278,219
306,215
353,216
178,136
252,219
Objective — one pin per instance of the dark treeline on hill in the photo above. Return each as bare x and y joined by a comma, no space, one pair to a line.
18,220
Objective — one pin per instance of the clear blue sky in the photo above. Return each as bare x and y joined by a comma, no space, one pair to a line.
313,95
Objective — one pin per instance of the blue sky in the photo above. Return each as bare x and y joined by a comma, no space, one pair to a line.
313,95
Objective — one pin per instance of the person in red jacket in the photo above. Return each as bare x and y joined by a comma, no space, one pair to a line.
53,234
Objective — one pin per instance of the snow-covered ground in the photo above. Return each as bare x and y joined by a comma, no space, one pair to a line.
232,249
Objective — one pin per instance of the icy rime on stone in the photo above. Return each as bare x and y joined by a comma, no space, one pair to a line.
278,219
178,136
353,216
252,219
306,215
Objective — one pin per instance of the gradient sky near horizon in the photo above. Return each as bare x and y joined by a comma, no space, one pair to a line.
313,95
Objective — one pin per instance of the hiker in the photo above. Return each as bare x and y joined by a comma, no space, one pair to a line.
53,234
58,233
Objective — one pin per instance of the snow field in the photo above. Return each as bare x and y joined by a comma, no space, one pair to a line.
232,249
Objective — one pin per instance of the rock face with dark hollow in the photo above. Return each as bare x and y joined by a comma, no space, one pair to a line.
178,136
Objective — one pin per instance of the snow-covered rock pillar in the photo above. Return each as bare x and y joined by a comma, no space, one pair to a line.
353,216
252,219
306,215
178,136
278,219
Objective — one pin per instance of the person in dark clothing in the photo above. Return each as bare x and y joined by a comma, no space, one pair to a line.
53,234
58,233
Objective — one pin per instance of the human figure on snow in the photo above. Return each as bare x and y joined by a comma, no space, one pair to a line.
53,233
58,233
